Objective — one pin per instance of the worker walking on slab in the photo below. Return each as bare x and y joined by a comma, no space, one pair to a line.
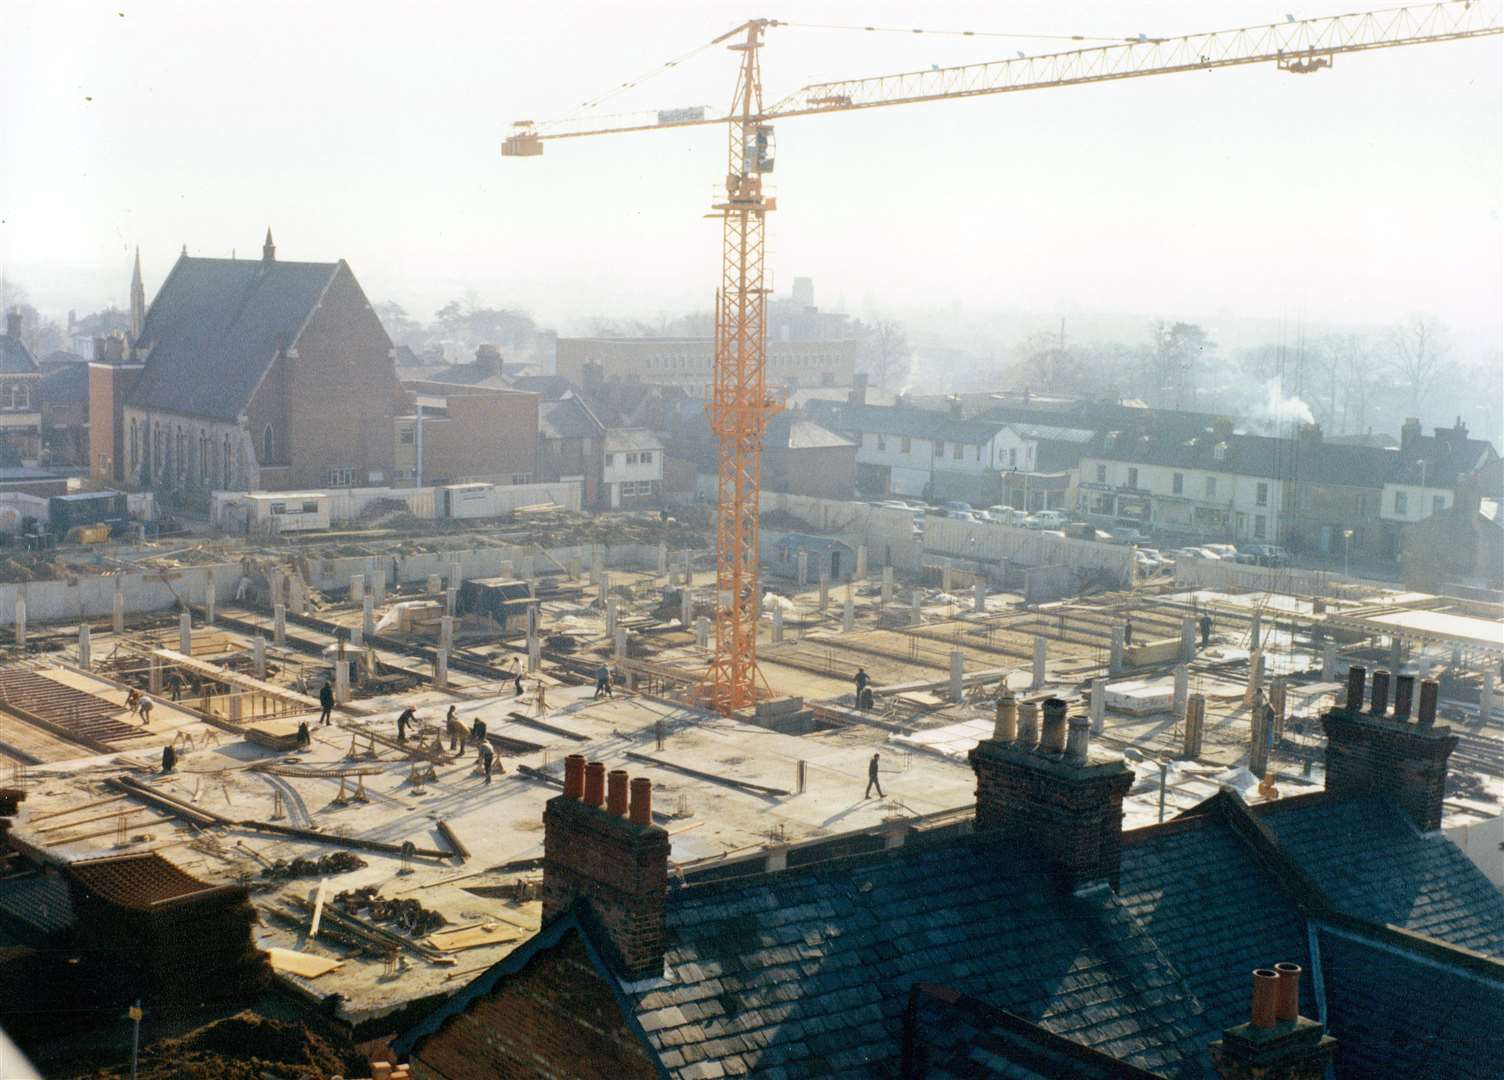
1206,630
486,757
1128,630
478,732
602,682
862,679
303,737
132,701
405,717
326,704
872,781
145,711
457,731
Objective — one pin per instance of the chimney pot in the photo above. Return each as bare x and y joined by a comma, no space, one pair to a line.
1287,1000
595,783
1428,694
13,324
1379,703
574,776
1404,695
1357,675
1006,727
1265,996
642,801
616,793
1052,739
1079,740
1028,724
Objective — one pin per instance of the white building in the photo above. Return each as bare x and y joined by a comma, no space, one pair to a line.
632,471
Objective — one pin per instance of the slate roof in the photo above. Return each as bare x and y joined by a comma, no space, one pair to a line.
1373,863
569,418
900,420
1346,464
15,357
806,972
65,383
1247,455
215,327
62,356
547,387
1438,460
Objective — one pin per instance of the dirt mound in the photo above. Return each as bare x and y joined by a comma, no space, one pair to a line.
247,1047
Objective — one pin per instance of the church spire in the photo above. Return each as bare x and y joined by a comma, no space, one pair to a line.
138,300
268,249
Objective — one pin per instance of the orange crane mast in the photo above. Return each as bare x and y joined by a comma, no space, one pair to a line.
740,403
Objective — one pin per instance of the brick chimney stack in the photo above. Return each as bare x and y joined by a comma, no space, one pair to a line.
1277,1043
1374,752
601,849
13,324
1056,794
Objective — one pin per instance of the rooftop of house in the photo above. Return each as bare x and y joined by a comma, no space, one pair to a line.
1440,459
547,387
629,439
900,421
216,325
15,357
566,418
65,383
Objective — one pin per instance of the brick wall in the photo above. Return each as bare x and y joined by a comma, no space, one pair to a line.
1072,814
1366,755
108,385
825,472
556,1018
620,869
487,433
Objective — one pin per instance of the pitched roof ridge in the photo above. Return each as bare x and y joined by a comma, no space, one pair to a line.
1288,874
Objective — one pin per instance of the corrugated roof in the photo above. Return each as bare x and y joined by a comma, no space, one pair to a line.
215,327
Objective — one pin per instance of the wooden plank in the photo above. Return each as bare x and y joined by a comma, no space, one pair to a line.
303,964
473,937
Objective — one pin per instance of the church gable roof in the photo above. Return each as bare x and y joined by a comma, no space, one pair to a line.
215,327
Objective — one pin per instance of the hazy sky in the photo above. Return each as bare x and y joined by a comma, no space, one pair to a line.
369,131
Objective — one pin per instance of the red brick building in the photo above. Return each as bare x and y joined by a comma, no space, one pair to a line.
254,374
469,433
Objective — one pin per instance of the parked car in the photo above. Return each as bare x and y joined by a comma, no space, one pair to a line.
1006,515
1125,535
1263,555
892,504
958,515
1189,553
1147,566
1227,552
1046,519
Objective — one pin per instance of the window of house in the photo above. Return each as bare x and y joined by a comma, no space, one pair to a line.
977,452
1177,483
882,444
610,460
1401,502
340,478
1438,503
1101,474
268,445
278,508
1013,458
1132,477
310,506
939,447
522,478
631,459
647,457
407,437
955,451
1261,494
1211,486
904,445
1258,526
1219,452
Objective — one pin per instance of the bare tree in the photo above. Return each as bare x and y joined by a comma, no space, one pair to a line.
884,351
1418,349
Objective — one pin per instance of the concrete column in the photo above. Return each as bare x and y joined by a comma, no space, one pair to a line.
1255,678
446,633
456,575
1041,655
342,681
357,637
235,707
848,611
1396,653
662,558
824,589
887,593
154,675
117,623
702,632
916,609
957,673
598,568
279,624
611,614
861,562
621,644
185,633
686,606
441,669
979,595
1188,640
1258,745
1278,696
1115,656
85,659
777,624
368,615
1098,705
1182,688
1329,661
1256,632
532,588
803,563
451,601
534,643
357,588
20,620
378,586
945,577
1002,574
1486,696
434,584
211,598
297,597
258,656
572,568
605,588
1195,716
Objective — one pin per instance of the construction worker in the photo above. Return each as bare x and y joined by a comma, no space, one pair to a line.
177,688
517,682
602,682
326,703
1206,630
405,717
457,731
540,702
132,700
862,679
478,732
872,781
145,711
1128,630
486,757
303,737
169,758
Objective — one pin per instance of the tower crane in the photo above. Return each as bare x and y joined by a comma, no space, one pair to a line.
741,404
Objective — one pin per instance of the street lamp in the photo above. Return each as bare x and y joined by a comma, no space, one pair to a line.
1347,537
